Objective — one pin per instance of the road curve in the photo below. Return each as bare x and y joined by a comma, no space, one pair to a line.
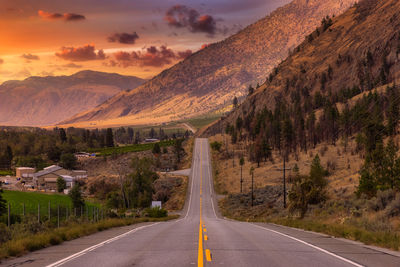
203,238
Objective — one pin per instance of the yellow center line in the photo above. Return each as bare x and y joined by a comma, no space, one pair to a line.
200,258
202,227
208,255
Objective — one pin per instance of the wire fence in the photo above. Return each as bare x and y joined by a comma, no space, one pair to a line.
53,214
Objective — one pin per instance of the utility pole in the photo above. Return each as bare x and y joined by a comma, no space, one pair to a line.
284,180
284,183
252,185
241,162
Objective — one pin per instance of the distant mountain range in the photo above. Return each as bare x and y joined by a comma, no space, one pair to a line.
40,101
209,79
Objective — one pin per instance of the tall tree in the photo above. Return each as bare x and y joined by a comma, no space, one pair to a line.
109,138
63,135
76,197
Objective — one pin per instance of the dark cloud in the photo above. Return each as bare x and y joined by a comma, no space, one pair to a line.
72,65
56,16
123,38
150,57
30,57
84,53
180,16
73,17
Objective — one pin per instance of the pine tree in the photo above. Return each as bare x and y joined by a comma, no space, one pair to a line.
63,135
76,197
109,138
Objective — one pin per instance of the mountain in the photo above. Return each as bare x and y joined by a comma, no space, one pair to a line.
347,56
39,101
209,79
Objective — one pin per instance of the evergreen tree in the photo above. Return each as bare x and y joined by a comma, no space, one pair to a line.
63,135
156,148
68,161
141,182
61,184
76,197
251,90
109,138
3,203
235,102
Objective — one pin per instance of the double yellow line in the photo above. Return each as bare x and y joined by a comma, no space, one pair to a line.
200,258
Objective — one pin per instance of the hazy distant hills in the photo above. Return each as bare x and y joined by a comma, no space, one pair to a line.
358,52
209,79
39,101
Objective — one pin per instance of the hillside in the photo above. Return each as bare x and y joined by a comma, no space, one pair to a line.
334,63
39,101
209,79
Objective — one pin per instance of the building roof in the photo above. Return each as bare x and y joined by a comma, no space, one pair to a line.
48,170
68,178
25,168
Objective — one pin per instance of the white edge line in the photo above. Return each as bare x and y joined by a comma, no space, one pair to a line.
210,177
310,245
76,255
192,177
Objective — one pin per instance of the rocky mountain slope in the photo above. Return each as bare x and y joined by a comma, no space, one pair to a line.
353,53
39,101
209,79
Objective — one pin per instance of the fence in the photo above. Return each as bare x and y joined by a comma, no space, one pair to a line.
54,214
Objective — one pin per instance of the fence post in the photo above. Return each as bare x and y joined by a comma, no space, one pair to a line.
93,213
9,215
38,212
81,212
49,211
23,209
66,213
58,215
87,212
75,212
97,214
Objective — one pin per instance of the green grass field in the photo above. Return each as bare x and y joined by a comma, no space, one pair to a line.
203,121
108,151
32,199
6,172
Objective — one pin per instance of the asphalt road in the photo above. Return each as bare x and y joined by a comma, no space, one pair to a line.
201,237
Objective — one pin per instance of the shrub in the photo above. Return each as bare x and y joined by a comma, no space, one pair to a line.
216,146
393,209
382,200
156,212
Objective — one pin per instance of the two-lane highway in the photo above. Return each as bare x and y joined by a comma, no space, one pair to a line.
203,238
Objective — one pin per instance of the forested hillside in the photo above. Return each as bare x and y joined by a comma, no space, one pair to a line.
337,86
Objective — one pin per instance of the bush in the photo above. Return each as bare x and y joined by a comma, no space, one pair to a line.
382,200
393,209
216,146
156,212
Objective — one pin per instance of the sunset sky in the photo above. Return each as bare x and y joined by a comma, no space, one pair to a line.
133,37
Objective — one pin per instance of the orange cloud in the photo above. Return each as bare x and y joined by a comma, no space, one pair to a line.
84,53
151,57
54,16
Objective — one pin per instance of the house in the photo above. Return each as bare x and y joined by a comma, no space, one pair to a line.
25,173
79,174
47,178
84,155
151,140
